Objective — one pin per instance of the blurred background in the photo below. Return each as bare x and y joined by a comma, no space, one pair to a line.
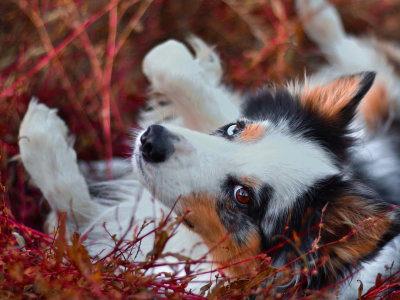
84,58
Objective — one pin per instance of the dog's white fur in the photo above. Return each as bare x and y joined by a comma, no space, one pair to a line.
195,100
191,85
196,155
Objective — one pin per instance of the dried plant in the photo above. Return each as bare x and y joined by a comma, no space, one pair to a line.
84,57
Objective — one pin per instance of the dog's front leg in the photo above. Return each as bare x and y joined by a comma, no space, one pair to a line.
189,86
51,161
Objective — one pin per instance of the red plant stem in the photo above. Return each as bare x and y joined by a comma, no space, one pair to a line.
45,60
121,240
21,185
262,255
300,257
105,112
187,295
382,282
272,18
39,24
96,287
3,188
8,148
94,62
22,227
353,232
132,23
123,7
248,18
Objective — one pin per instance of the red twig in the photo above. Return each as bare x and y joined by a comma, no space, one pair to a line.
45,60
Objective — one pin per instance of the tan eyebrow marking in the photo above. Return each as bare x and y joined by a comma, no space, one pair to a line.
252,133
223,248
250,181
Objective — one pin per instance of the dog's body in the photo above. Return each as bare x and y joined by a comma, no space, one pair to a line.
310,145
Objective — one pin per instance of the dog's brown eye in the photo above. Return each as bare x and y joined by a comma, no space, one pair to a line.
241,194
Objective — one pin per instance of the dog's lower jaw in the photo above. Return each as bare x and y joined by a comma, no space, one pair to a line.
149,181
137,163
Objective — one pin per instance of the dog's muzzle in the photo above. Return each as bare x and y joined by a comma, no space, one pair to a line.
157,144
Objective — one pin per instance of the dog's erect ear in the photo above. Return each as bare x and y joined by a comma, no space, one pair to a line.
337,101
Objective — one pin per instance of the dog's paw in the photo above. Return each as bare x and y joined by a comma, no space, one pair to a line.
170,59
171,62
186,89
41,123
168,67
50,160
208,59
321,21
43,137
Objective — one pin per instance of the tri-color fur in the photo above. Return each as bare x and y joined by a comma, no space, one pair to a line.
326,149
291,153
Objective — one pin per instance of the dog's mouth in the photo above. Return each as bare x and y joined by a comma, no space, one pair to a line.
173,162
152,159
141,168
153,147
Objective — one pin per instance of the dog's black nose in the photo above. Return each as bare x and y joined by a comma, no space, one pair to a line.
156,144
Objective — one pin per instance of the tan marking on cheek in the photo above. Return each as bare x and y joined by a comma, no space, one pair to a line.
252,133
224,250
375,106
250,181
330,99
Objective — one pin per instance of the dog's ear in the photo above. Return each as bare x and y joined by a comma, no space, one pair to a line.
338,100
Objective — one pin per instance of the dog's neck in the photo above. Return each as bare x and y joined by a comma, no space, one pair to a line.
343,224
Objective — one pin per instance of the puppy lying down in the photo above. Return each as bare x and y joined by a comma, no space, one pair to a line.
242,174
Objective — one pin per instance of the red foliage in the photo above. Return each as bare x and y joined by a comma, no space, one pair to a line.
84,57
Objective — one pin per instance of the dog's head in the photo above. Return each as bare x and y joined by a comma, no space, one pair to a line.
240,182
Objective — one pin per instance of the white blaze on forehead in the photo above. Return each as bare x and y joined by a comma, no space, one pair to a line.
195,166
288,163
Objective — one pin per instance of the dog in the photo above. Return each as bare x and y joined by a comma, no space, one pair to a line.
277,162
